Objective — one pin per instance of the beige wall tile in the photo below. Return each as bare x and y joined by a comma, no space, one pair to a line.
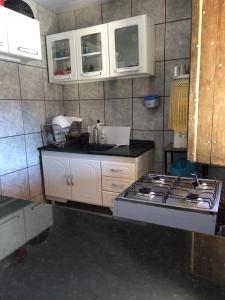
11,120
115,10
13,154
31,82
16,185
9,81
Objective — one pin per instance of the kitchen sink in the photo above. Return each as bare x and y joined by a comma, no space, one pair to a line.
98,147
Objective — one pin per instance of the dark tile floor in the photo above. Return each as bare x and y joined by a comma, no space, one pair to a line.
89,257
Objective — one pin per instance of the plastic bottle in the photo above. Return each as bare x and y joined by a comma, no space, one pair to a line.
102,138
95,132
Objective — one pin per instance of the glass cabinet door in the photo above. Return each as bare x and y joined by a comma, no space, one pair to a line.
92,52
131,45
91,46
127,47
62,57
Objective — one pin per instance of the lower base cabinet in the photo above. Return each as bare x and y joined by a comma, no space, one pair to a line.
86,181
12,233
37,217
21,226
108,198
92,179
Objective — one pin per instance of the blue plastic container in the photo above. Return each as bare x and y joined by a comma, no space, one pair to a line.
152,101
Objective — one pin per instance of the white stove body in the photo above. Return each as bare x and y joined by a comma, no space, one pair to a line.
177,214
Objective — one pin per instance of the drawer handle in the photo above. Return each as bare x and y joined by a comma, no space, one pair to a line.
27,50
35,206
116,170
9,221
117,185
1,44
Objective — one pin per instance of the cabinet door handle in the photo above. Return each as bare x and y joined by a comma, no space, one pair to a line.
91,74
1,44
68,179
127,69
27,50
116,170
71,180
9,220
35,206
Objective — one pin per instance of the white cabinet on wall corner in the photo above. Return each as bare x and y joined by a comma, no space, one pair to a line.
19,36
120,49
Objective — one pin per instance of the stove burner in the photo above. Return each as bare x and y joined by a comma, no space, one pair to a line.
144,191
196,183
192,196
156,178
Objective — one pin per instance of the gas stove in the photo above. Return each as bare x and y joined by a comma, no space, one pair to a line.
186,203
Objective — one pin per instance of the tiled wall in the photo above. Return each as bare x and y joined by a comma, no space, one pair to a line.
26,101
120,102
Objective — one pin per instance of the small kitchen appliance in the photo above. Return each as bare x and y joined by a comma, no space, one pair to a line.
179,202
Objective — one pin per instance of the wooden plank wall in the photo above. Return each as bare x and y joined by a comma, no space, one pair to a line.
203,66
208,259
218,133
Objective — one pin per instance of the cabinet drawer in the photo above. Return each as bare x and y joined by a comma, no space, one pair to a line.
116,185
120,170
38,217
12,233
108,198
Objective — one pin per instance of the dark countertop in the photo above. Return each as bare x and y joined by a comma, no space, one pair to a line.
136,148
10,205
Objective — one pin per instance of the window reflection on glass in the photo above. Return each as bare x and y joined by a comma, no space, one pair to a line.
92,63
61,48
126,47
91,43
61,57
91,48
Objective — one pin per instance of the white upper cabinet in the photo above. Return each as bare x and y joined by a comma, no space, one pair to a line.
27,44
131,44
92,52
19,35
123,48
62,57
3,33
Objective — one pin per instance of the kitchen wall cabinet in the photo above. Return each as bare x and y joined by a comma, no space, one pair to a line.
206,138
20,35
93,179
62,61
131,44
3,33
92,52
123,48
86,180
